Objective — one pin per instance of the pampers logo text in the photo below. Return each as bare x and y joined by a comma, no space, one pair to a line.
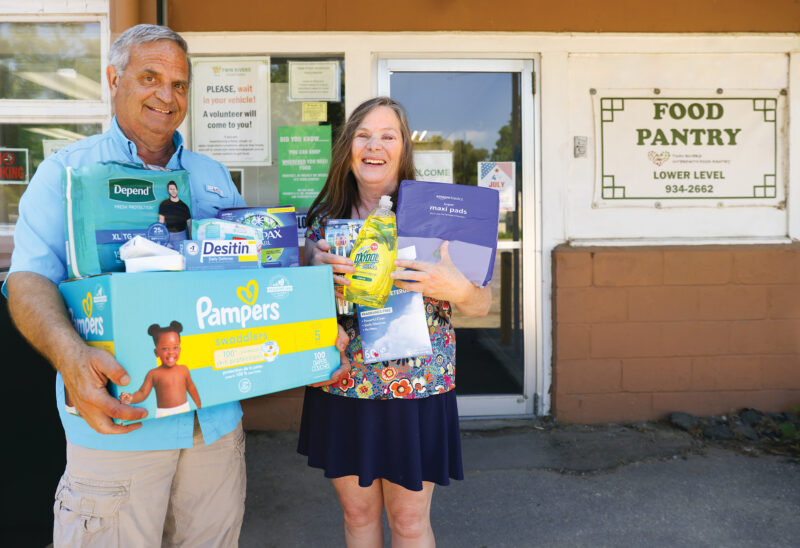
88,325
250,310
131,190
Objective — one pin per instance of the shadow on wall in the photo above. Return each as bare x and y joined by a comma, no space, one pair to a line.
37,449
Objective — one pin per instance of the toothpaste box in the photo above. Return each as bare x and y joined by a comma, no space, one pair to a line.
279,226
197,339
220,254
217,229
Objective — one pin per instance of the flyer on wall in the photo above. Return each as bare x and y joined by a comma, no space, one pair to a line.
304,156
315,81
230,117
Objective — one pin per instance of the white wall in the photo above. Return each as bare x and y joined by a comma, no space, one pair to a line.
562,184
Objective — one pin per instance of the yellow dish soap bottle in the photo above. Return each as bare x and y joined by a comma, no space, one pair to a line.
373,256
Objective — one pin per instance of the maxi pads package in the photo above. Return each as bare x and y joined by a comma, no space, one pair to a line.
279,224
197,339
466,216
107,204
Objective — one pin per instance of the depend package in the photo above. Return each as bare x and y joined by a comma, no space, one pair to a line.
197,339
466,216
279,225
108,203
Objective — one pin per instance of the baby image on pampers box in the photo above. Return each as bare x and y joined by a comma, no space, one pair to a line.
170,379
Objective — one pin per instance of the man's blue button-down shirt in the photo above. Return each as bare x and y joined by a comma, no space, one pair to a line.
39,247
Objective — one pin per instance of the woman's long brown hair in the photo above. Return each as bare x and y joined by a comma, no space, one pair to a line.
340,193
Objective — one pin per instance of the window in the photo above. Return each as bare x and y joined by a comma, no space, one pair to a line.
50,61
51,94
260,185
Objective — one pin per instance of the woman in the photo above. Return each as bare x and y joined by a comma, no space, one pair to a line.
388,431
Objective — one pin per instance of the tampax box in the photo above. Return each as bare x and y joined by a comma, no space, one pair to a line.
242,333
279,224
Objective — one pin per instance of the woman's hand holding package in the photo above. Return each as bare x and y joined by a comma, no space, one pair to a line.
344,369
318,253
443,281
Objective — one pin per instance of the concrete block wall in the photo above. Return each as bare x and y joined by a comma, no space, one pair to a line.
640,332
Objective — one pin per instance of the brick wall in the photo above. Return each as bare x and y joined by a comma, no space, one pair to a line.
473,15
640,332
279,411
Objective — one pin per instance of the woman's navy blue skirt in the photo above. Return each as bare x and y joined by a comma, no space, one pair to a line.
403,441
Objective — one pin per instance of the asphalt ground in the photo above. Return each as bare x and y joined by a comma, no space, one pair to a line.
530,483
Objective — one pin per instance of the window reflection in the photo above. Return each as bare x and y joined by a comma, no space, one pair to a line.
50,61
38,140
476,116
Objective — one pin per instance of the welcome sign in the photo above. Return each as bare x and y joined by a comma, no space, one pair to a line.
675,149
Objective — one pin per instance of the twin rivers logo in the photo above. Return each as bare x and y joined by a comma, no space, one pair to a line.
131,190
208,314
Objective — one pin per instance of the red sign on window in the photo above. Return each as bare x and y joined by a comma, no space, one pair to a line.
13,165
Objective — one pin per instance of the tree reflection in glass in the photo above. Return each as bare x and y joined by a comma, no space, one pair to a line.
50,61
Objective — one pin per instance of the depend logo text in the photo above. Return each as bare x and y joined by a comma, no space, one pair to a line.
131,190
224,315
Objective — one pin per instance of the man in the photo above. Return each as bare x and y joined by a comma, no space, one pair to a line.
175,214
177,480
141,484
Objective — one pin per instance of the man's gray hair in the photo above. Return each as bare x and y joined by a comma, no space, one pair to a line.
120,53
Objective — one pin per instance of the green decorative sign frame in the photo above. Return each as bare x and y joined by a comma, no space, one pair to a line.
763,189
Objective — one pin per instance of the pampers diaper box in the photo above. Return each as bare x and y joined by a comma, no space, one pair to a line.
279,225
197,339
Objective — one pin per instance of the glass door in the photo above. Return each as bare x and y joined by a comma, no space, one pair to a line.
472,124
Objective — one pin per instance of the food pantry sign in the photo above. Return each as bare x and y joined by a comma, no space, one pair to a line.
712,150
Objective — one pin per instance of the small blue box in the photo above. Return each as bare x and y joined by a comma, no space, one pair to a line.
220,254
279,225
217,336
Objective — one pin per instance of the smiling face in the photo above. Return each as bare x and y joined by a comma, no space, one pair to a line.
150,96
376,152
172,188
168,349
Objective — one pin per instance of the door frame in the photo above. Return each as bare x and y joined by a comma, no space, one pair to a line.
530,401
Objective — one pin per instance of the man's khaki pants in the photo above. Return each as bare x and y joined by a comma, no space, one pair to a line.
181,497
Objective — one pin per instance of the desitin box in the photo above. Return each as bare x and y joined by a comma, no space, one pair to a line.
196,339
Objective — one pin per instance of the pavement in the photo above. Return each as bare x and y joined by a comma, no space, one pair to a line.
533,483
